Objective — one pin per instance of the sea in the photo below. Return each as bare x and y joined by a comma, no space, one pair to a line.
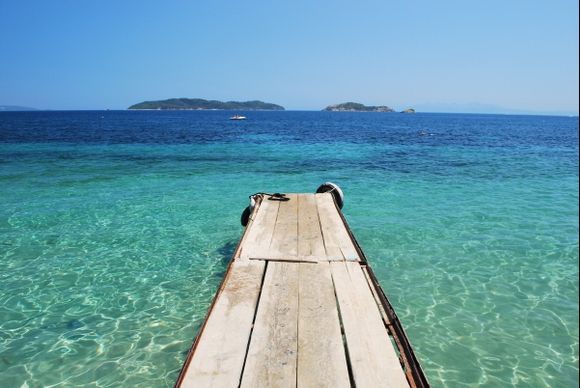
116,228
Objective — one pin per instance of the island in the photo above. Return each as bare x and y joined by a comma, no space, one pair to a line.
408,110
356,107
15,108
201,104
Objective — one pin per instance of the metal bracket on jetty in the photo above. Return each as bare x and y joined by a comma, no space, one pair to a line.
299,306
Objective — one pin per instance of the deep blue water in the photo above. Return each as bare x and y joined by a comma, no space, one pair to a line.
116,227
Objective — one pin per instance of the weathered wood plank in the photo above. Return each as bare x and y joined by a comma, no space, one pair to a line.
289,335
373,359
271,358
336,239
321,354
328,228
310,242
285,237
261,229
219,356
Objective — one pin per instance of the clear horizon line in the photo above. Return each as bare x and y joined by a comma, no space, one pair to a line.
515,113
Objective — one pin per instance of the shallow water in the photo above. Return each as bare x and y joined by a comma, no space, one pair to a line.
116,228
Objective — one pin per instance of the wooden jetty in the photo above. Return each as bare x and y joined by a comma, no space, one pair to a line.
299,306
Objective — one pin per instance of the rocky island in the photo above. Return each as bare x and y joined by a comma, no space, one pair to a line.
356,107
201,104
409,110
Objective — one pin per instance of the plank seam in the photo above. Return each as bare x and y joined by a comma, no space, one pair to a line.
415,374
297,228
253,323
274,228
283,260
376,298
343,334
197,337
395,341
297,327
320,226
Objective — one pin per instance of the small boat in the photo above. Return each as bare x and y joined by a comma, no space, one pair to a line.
237,117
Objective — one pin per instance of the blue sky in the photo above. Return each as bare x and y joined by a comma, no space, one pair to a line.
484,56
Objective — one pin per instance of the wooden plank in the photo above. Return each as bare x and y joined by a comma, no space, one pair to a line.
261,229
321,355
218,358
285,237
310,242
336,238
373,359
271,358
287,333
328,228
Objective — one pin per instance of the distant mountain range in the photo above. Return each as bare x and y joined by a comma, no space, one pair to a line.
12,108
201,104
478,108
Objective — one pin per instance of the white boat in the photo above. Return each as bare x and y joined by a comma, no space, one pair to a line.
237,117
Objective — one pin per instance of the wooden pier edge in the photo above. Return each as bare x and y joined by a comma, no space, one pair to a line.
411,366
413,370
191,351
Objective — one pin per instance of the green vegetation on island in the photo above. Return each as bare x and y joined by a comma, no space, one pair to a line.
409,110
356,107
201,104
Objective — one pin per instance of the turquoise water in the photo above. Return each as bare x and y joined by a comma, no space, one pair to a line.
116,228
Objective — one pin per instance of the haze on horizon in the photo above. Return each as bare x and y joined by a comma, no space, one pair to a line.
493,57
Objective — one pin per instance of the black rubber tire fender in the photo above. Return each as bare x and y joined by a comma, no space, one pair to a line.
335,190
